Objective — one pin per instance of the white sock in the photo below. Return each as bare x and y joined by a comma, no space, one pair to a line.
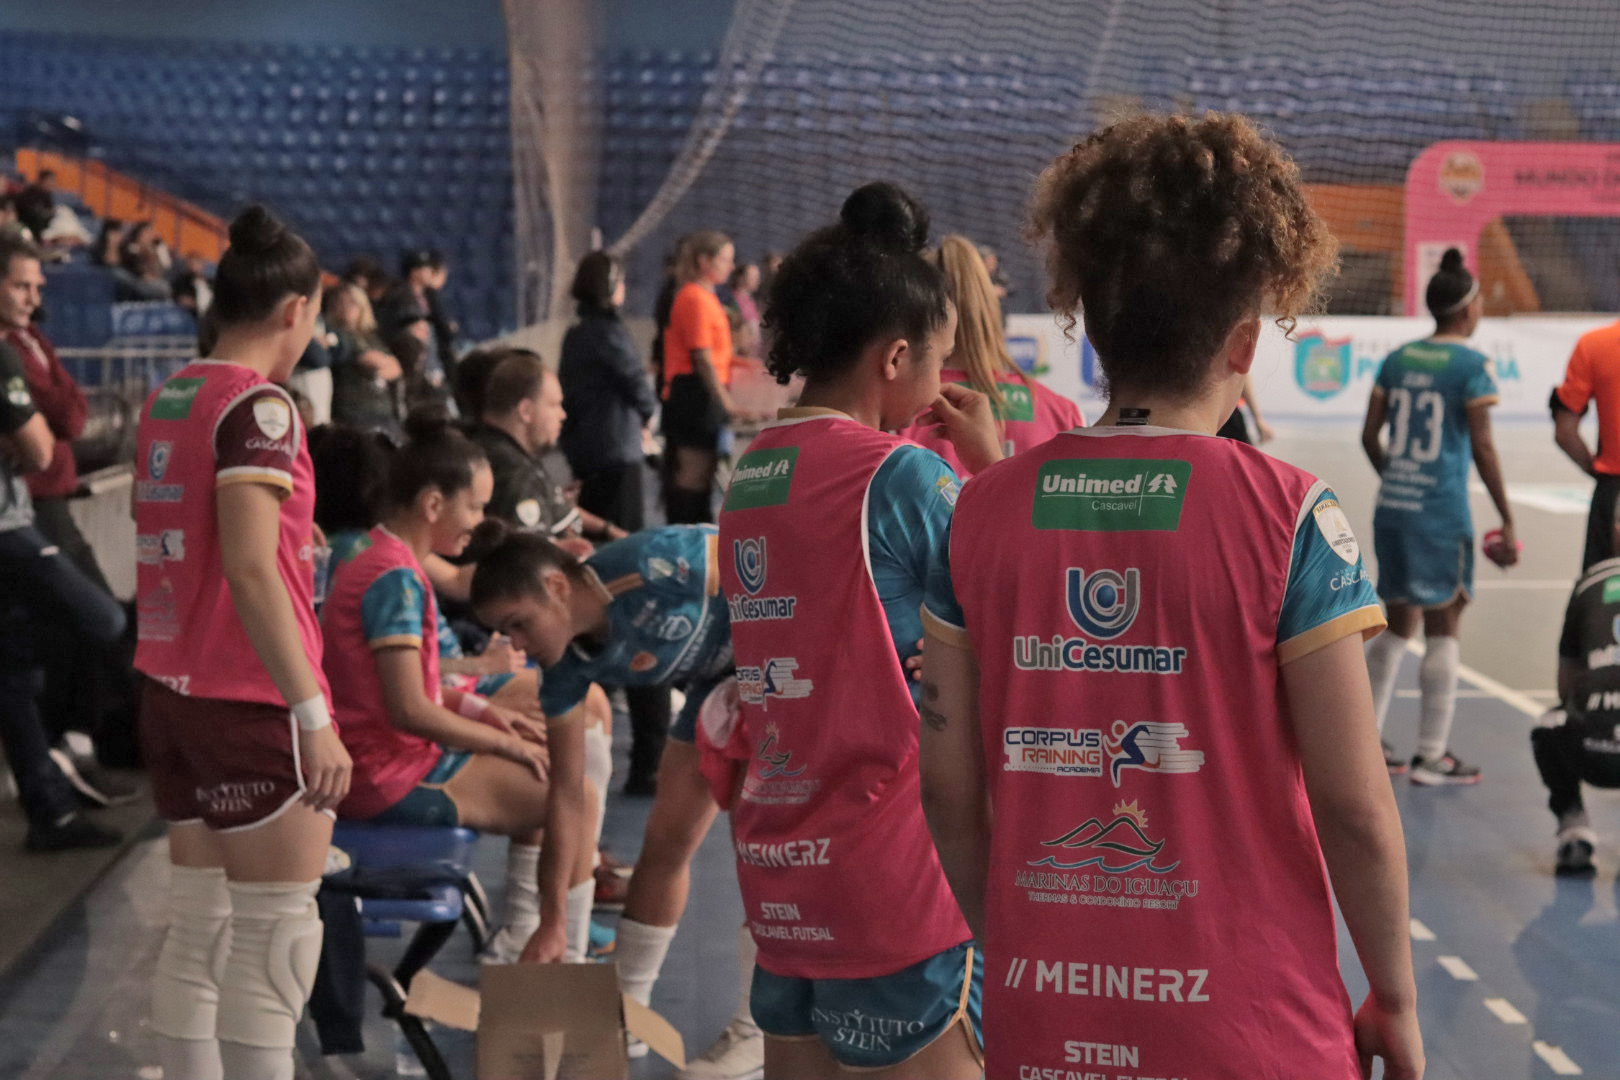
599,771
640,955
746,952
1384,655
581,898
1437,678
522,917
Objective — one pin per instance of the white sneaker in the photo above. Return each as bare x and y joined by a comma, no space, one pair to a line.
738,1054
504,947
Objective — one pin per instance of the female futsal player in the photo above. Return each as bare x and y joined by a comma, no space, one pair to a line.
1151,720
237,730
1029,413
1436,396
427,755
831,537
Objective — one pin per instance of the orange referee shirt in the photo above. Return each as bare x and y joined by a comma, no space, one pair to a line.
697,321
1594,375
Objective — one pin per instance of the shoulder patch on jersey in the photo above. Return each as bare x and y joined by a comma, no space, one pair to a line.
273,415
528,512
1611,590
643,661
1335,529
948,490
17,392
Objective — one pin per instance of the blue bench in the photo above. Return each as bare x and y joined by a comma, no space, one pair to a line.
412,875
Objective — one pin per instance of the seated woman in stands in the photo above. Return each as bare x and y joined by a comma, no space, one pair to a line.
365,375
427,755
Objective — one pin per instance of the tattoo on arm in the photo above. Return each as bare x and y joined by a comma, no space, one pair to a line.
931,716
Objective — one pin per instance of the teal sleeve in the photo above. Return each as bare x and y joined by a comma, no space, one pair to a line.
909,507
1323,584
393,606
1386,373
1481,382
563,687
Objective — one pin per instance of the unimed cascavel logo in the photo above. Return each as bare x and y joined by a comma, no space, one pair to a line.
762,478
1321,364
1462,176
1111,494
750,556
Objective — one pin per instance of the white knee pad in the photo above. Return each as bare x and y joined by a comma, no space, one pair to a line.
185,986
275,948
599,770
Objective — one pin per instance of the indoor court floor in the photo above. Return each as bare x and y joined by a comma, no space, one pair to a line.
1518,973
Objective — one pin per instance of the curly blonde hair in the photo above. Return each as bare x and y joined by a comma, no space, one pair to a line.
1165,231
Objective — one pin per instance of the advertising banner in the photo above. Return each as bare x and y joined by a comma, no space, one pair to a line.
1326,370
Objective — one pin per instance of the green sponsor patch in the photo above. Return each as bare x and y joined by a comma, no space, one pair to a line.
1611,590
174,400
1018,403
1111,495
763,478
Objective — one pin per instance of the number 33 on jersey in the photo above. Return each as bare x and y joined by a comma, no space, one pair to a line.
1429,386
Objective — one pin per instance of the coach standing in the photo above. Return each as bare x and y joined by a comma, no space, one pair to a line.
1593,375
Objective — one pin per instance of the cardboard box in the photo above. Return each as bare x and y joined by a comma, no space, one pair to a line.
546,1021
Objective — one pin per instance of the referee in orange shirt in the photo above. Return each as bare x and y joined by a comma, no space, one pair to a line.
1594,375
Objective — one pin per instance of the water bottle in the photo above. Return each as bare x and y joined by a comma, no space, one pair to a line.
406,1062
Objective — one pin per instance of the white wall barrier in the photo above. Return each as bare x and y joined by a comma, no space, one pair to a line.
1326,371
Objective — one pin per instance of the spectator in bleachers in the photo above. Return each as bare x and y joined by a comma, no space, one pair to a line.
144,258
521,419
10,225
192,271
366,272
39,586
109,244
36,203
415,298
77,680
311,380
992,264
365,376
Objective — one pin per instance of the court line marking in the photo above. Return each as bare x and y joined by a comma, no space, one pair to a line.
1505,1011
1457,968
1505,694
1421,932
1556,1059
1476,695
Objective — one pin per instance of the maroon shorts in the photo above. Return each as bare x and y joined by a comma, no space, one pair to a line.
226,764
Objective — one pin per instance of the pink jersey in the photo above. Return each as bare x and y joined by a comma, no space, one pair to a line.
838,872
213,424
1157,901
1031,415
380,599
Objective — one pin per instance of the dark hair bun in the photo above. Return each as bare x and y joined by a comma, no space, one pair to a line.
257,230
490,534
886,216
425,422
1451,261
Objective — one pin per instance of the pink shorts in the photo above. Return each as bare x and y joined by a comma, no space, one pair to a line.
228,764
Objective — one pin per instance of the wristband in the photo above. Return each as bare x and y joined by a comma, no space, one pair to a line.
312,715
472,706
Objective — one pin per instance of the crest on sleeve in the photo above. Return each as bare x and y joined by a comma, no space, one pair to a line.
273,416
1335,529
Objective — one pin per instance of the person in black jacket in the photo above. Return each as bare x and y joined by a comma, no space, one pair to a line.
609,395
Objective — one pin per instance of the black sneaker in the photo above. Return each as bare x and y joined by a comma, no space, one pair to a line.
641,787
95,785
1575,858
75,832
1393,761
1443,770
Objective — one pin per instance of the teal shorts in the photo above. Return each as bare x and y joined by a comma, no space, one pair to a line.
880,1022
1426,570
490,685
427,803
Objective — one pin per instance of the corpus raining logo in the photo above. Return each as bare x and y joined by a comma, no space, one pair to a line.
750,557
1104,605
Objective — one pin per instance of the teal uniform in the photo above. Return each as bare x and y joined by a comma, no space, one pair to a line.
1423,532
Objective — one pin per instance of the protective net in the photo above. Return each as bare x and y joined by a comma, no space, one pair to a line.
964,101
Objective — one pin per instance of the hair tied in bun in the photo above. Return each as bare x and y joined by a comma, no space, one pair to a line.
256,229
886,216
1452,260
